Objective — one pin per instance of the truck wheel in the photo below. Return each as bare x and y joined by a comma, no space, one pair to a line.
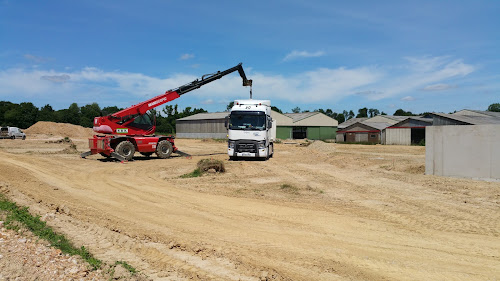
164,149
272,153
24,137
147,154
13,137
125,149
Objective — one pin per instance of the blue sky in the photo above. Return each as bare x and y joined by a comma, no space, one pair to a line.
417,55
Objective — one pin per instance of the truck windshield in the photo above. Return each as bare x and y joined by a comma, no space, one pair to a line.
247,120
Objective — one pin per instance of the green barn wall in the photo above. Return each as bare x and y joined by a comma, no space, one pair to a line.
283,132
321,133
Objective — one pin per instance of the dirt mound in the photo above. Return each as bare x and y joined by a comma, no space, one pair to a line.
59,129
322,146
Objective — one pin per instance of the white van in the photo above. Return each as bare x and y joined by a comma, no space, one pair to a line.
12,133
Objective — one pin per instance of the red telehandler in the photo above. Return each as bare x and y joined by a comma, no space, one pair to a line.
132,129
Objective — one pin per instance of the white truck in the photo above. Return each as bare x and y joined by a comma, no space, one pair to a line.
251,130
12,133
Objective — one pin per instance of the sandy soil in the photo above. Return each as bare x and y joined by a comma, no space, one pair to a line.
321,212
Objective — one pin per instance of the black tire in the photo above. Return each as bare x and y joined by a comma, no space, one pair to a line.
24,137
164,149
126,149
271,155
12,137
147,154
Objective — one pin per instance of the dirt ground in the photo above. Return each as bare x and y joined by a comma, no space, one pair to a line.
321,212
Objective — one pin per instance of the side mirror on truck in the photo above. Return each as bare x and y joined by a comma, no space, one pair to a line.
269,123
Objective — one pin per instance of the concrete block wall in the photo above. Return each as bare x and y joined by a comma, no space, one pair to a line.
469,151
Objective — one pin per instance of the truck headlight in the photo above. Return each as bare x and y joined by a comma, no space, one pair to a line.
261,145
231,144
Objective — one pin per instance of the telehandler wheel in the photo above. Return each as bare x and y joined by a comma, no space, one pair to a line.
164,149
126,149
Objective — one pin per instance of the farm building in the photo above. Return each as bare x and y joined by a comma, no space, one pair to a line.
478,113
349,122
202,125
407,132
441,119
362,132
311,125
366,130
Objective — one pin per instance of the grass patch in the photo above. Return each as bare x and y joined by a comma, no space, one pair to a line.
19,216
127,266
289,188
196,173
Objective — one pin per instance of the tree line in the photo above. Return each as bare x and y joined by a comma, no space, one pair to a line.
25,114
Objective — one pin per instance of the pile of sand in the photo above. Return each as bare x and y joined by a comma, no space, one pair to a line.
59,129
322,146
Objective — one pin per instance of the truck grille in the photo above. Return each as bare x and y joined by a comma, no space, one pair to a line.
246,147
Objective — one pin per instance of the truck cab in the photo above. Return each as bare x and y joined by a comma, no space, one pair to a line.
251,130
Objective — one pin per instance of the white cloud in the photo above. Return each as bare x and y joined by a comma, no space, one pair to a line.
438,87
209,101
186,56
302,54
322,85
36,59
408,98
56,78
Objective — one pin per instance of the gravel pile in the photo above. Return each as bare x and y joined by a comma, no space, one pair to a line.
23,258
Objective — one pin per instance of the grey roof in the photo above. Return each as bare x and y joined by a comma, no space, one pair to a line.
206,116
350,122
300,116
472,120
395,118
488,113
377,125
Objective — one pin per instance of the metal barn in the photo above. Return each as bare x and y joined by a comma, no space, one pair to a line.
201,126
406,132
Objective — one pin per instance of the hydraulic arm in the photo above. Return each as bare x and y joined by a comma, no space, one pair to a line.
122,122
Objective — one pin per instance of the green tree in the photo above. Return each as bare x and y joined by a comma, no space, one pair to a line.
46,113
362,112
372,112
230,105
88,113
276,109
340,118
401,112
4,107
495,107
21,115
108,110
71,115
296,109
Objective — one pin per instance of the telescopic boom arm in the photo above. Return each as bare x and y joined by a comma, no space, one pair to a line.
143,107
